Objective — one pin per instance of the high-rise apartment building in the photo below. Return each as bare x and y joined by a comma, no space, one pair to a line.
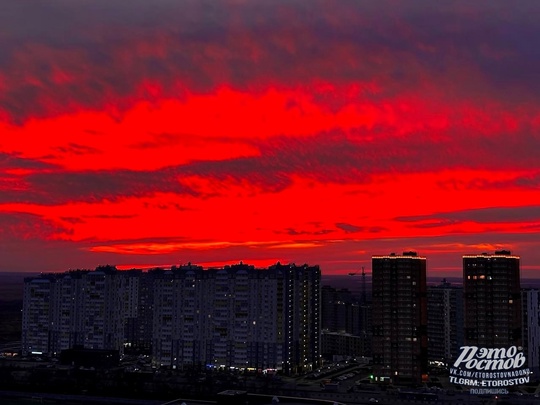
340,311
344,314
37,319
77,308
445,321
301,286
103,310
67,329
399,318
235,316
530,299
366,328
139,308
492,299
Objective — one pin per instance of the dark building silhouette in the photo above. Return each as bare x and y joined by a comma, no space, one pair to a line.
186,316
346,324
339,311
445,321
336,346
530,300
139,306
492,300
399,318
366,328
237,316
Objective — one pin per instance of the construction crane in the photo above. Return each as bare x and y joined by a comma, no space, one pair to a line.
363,297
364,308
356,272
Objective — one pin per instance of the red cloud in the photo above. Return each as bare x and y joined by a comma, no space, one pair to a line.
115,60
229,123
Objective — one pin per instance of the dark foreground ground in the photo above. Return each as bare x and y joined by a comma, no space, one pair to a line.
41,381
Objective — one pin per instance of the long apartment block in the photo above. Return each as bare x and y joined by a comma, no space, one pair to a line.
234,316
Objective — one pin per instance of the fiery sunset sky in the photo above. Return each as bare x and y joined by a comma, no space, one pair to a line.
141,133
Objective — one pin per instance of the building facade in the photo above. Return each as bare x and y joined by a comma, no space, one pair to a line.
346,315
492,300
102,309
530,299
341,345
399,318
76,308
340,311
38,316
445,321
139,308
236,316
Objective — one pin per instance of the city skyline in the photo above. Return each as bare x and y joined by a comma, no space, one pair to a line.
215,132
236,316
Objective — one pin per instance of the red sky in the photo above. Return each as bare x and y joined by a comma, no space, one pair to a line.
301,131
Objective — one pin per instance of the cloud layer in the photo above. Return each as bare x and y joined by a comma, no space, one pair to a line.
301,130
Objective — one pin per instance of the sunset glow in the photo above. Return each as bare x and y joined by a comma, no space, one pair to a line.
314,132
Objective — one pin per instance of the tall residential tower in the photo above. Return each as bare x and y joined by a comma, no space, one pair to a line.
492,299
445,321
530,300
399,318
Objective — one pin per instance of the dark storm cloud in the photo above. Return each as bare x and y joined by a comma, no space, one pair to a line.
529,181
353,158
76,149
445,252
107,216
295,232
161,140
11,161
271,173
57,187
58,56
431,222
49,255
329,157
348,228
12,183
25,226
481,215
